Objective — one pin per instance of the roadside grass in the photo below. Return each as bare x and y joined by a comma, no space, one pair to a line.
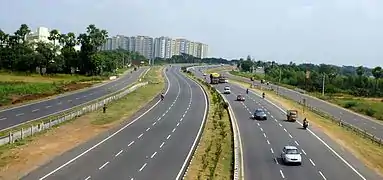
224,68
368,152
16,88
213,158
369,107
25,155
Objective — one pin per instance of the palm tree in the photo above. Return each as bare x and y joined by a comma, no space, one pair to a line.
54,35
22,33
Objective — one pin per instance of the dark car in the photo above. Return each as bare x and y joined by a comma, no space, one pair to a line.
240,98
259,114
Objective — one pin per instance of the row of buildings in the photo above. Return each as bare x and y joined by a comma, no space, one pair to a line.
161,47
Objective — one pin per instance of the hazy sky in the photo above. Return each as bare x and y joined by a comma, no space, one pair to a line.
348,32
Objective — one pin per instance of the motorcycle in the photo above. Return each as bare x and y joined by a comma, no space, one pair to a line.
305,125
247,91
263,95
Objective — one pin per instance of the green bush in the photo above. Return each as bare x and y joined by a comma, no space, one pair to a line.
350,104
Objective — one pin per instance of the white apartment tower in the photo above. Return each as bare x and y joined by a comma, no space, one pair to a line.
161,47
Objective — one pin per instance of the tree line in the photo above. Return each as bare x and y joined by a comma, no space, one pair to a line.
358,81
17,53
186,58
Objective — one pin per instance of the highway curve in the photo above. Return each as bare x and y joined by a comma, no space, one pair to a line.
355,119
262,143
21,114
155,145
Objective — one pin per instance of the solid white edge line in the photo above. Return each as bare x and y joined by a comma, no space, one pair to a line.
180,173
316,136
107,138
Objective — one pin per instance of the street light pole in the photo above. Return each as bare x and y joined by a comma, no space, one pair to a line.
323,83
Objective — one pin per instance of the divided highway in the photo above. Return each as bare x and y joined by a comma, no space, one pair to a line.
352,118
263,141
21,114
155,145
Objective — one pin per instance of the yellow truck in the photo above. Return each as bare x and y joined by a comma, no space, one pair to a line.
214,78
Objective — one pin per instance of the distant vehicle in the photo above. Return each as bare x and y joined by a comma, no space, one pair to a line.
226,90
259,114
204,74
291,154
292,115
223,79
240,98
214,78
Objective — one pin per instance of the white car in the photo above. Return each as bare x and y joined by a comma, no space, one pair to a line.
291,155
226,90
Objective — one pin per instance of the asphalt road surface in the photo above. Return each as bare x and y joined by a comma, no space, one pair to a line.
264,140
155,146
357,120
21,114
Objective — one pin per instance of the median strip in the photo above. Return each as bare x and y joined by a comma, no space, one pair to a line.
213,158
24,155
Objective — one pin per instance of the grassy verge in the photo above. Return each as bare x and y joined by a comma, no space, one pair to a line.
368,152
23,156
19,88
224,68
213,158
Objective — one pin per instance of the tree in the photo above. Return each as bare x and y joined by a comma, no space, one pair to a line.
377,72
54,36
22,32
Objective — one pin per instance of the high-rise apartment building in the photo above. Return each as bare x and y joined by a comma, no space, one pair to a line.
161,47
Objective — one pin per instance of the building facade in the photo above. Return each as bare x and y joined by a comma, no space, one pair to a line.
161,47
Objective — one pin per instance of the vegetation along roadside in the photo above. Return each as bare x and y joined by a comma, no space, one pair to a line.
32,70
356,88
213,158
368,152
24,156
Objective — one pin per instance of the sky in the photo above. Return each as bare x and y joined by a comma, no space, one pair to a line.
340,32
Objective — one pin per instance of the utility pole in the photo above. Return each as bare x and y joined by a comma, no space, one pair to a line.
323,82
123,60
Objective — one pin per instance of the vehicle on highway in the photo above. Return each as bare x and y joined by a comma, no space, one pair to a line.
260,114
240,98
291,155
226,90
292,115
204,74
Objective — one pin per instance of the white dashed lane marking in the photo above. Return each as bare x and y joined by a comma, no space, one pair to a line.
119,153
283,176
103,165
142,167
162,144
1,119
153,154
87,178
140,135
48,106
130,143
20,114
312,162
35,110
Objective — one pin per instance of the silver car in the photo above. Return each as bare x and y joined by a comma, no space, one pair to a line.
291,155
260,114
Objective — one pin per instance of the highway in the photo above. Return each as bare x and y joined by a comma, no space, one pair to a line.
263,141
13,116
357,120
154,145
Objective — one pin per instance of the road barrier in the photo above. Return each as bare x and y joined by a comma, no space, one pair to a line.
238,159
66,116
337,120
